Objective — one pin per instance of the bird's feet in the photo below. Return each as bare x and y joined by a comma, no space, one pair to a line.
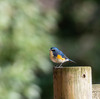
58,66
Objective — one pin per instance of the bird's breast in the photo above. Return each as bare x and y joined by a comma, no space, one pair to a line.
52,57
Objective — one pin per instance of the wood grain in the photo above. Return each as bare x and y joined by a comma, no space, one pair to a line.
72,83
96,91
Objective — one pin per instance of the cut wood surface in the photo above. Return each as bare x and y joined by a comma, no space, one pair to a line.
72,83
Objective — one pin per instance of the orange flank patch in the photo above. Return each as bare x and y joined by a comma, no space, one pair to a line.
60,57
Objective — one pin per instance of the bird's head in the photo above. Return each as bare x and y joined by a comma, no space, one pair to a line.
54,50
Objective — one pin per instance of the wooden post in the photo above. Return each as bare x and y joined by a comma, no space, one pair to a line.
96,91
72,83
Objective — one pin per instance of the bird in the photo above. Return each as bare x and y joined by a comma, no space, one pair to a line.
58,56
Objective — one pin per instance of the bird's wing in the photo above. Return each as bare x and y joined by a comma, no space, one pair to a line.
63,55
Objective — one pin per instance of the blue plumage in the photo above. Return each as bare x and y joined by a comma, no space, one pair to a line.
56,51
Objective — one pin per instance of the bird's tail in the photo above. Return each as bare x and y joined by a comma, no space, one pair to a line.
72,61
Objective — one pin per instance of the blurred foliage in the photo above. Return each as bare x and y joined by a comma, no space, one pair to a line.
24,43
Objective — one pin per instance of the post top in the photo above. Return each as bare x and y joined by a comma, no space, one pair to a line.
71,67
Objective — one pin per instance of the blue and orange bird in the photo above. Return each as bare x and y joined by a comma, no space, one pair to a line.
58,56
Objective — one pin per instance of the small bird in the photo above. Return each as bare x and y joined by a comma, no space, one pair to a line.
58,56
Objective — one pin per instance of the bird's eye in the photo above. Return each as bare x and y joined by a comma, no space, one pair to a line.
53,50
